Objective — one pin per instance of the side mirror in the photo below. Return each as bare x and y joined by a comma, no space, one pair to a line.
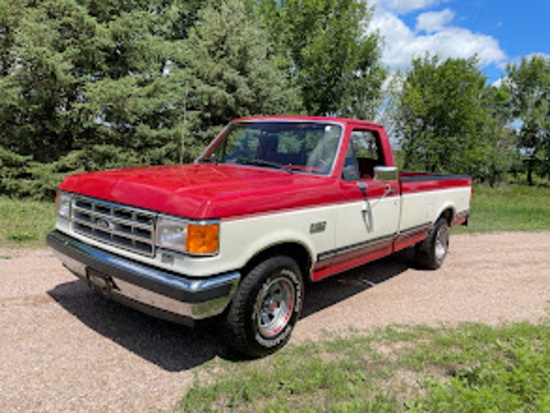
386,173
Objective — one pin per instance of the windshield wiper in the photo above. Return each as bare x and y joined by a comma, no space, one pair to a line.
261,162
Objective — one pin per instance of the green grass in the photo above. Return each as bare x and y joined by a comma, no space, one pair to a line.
24,223
474,368
509,208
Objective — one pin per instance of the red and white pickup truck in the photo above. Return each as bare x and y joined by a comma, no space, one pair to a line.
271,204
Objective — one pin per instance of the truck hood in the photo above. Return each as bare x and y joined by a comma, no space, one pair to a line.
204,191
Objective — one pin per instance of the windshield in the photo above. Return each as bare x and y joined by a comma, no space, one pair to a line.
295,146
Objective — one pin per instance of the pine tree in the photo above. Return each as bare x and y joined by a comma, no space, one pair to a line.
231,71
91,84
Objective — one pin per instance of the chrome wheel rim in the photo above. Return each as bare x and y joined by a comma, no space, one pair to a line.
275,304
441,243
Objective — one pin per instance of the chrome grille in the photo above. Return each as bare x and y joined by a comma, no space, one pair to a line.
129,228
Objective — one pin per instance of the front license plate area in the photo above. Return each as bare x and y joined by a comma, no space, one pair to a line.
99,281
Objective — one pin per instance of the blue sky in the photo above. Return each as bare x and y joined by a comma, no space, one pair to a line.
499,32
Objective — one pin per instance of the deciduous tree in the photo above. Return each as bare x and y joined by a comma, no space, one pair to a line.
529,85
334,58
448,120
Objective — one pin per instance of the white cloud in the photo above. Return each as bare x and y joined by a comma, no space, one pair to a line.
434,21
406,6
401,43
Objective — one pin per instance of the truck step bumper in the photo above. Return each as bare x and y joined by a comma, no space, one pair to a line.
159,293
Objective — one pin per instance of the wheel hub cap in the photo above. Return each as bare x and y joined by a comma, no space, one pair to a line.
441,243
275,302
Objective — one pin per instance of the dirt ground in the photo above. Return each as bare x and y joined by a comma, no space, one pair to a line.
64,348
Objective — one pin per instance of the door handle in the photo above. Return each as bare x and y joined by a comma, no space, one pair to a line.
363,186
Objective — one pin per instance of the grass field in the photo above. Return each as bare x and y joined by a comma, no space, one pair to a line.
25,223
470,368
509,208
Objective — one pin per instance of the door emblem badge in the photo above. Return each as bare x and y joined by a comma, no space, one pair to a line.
317,227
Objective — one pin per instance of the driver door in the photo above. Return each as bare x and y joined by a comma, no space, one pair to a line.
368,220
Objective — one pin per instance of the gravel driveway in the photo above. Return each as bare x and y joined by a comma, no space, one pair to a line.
64,348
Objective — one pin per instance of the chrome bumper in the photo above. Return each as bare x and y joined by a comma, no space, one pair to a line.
145,288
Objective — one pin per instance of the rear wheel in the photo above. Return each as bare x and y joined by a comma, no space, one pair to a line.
265,307
431,252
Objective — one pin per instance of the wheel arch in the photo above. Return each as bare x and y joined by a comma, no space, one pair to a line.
448,212
295,250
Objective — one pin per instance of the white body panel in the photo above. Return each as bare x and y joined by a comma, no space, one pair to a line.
366,220
425,207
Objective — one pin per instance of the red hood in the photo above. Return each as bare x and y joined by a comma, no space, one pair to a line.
204,191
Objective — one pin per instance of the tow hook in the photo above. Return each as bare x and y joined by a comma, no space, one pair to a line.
99,282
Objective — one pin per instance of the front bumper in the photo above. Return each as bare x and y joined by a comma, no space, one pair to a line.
160,293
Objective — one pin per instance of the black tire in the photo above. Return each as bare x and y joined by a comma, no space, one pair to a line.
431,252
265,307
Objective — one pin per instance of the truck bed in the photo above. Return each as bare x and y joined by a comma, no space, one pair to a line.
410,181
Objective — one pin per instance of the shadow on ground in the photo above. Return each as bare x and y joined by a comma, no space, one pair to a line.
173,347
333,290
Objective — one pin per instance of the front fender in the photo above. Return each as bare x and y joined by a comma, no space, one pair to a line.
242,239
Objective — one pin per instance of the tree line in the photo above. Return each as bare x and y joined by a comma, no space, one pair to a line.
93,84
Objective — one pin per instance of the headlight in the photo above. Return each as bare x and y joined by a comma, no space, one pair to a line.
190,238
171,234
63,205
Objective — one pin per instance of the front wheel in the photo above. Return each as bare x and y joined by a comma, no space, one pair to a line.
431,252
265,307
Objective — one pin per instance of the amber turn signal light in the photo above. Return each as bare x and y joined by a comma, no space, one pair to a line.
202,239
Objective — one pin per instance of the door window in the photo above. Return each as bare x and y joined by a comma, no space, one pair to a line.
363,155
